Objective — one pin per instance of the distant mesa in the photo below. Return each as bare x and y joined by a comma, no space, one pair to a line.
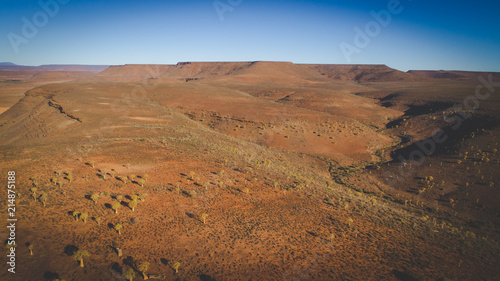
253,71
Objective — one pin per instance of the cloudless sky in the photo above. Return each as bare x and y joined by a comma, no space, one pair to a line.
452,35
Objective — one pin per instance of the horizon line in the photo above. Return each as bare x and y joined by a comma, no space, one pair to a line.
7,63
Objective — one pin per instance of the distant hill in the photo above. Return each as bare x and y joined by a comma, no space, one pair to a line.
361,73
453,75
60,75
8,66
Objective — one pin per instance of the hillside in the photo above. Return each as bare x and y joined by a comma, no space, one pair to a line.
251,171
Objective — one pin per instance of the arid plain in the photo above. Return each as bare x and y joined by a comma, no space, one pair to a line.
252,171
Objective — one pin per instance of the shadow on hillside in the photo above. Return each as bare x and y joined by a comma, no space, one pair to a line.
49,275
427,108
70,250
204,277
470,127
403,276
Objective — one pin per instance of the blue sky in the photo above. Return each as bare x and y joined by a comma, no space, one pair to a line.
423,34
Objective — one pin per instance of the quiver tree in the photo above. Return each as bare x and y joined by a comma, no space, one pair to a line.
119,251
98,220
124,179
117,248
70,177
34,189
142,196
134,197
103,173
94,197
203,217
84,217
79,255
118,227
205,184
143,267
130,274
132,204
54,180
76,214
119,198
145,177
30,247
43,198
92,163
142,182
331,236
115,207
176,266
131,177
